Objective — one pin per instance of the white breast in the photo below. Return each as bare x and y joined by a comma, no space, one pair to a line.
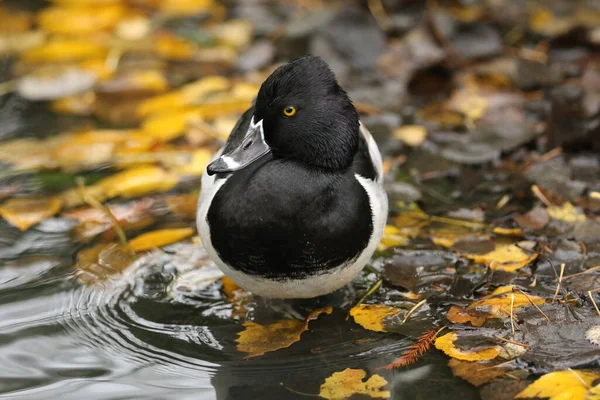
314,286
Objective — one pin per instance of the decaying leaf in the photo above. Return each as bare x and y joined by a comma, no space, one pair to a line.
28,211
459,315
257,339
159,238
392,237
412,135
446,344
569,384
505,257
498,304
593,335
342,385
476,373
97,263
371,316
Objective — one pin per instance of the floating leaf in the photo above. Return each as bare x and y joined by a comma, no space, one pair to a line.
567,213
138,181
101,261
570,384
159,238
371,316
458,315
343,385
257,339
412,135
446,344
505,257
80,20
498,304
476,373
25,212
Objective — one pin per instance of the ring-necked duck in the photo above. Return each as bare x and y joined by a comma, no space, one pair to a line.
293,205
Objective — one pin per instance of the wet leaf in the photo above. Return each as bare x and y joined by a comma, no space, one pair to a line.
446,344
505,257
343,385
498,303
371,316
102,261
412,135
159,238
65,50
392,237
535,219
28,211
567,213
570,384
256,339
476,373
459,315
80,20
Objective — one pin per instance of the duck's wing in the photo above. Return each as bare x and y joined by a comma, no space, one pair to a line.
367,162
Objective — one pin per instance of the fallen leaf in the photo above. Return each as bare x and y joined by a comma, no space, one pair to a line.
567,213
257,339
184,7
535,219
446,344
392,237
342,385
458,315
138,181
497,304
371,316
559,385
505,257
24,212
476,373
65,50
80,20
237,296
412,135
159,238
99,262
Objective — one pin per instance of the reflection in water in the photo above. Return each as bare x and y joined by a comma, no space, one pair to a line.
146,334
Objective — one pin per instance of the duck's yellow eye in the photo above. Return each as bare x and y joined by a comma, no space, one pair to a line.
289,111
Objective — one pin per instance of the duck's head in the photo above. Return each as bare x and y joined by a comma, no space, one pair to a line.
302,114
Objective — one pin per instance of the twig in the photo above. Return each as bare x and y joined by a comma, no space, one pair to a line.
538,193
511,341
412,310
584,383
533,304
503,201
512,323
593,301
378,11
560,277
555,152
587,271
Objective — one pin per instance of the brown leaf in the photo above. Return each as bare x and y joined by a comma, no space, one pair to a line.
24,212
476,373
459,315
535,219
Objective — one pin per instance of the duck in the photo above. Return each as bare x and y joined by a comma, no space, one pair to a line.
293,205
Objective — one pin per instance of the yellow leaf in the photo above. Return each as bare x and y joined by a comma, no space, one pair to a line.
458,315
14,22
567,213
138,181
440,114
26,212
475,373
447,236
186,95
80,20
98,67
78,104
469,103
101,261
257,339
171,47
446,344
508,231
159,238
184,7
343,385
371,316
505,257
169,125
234,33
497,304
200,159
392,237
561,385
412,135
64,50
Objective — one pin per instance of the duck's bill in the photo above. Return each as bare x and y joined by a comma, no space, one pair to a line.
251,148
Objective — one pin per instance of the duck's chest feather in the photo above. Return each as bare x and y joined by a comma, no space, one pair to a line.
276,219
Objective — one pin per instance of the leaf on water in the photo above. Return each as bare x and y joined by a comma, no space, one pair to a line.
392,237
498,303
567,213
159,238
458,315
24,212
446,344
559,385
476,373
505,257
257,339
371,316
80,20
343,385
99,262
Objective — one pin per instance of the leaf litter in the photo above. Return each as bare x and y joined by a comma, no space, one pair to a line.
487,115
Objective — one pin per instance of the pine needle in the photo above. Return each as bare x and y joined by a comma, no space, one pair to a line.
414,351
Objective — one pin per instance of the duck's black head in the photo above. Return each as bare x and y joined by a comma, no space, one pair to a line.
307,116
301,114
